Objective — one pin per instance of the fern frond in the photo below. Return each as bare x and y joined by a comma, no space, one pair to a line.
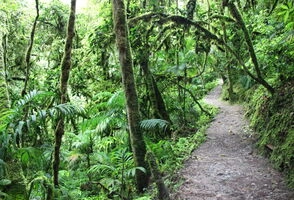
101,169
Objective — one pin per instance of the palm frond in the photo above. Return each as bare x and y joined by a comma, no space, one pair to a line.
5,116
102,169
99,123
33,96
131,172
67,109
117,100
154,124
103,124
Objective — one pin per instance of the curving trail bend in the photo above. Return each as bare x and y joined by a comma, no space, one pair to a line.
226,166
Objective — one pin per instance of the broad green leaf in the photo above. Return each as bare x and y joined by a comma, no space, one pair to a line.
4,182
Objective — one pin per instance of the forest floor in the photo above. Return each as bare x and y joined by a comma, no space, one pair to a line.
227,166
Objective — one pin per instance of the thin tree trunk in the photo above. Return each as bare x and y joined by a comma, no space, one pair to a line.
163,193
228,65
125,58
190,8
29,50
65,72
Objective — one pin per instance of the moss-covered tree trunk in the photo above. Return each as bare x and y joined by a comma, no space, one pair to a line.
236,14
125,58
65,72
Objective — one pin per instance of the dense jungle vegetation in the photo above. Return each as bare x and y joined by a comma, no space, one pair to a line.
105,101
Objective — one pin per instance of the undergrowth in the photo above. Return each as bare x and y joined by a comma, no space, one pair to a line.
272,118
171,154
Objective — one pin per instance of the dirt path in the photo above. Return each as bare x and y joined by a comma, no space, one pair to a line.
226,166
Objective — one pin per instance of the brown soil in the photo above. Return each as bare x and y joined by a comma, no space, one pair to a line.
226,166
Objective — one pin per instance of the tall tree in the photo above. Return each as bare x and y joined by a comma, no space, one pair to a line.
65,72
125,58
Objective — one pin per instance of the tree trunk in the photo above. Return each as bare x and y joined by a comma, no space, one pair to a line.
125,58
163,193
29,50
236,14
190,8
65,72
228,65
5,69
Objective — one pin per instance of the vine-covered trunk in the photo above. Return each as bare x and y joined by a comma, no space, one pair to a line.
65,71
125,58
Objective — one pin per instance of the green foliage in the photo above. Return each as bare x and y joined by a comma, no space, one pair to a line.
33,111
40,187
115,170
29,156
3,169
172,154
184,63
286,13
154,124
272,118
144,198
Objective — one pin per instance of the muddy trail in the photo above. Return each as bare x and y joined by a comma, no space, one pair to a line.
227,166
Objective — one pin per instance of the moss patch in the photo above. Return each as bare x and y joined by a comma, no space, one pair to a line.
272,117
